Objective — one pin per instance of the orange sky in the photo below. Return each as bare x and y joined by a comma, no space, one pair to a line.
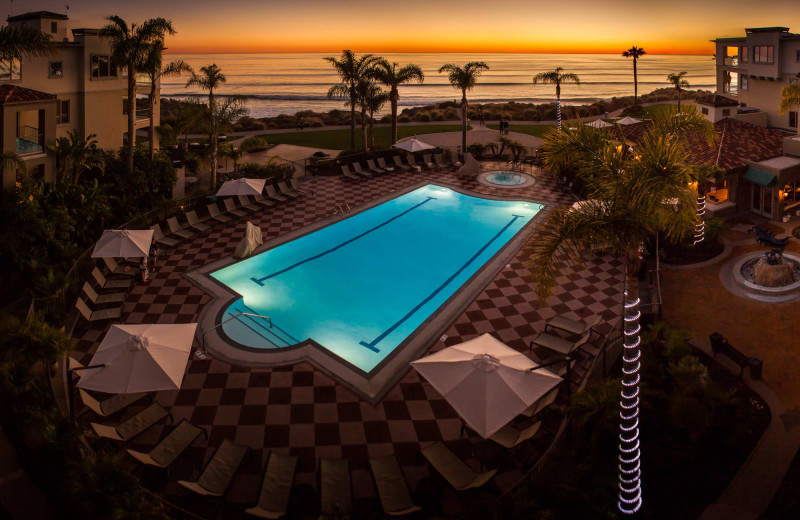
569,26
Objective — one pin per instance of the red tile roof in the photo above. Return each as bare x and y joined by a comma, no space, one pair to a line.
715,100
10,94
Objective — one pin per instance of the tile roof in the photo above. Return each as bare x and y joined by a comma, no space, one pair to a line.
10,94
715,100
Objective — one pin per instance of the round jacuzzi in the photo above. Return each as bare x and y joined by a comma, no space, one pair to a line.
506,179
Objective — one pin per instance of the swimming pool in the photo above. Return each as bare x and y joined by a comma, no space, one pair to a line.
363,285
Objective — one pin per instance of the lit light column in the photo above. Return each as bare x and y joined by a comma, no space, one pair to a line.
630,473
700,227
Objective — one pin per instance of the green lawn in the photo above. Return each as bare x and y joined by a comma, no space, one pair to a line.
535,130
340,139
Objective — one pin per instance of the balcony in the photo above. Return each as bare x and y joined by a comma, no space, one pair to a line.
732,61
29,140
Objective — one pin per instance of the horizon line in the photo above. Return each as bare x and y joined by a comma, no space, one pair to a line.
170,51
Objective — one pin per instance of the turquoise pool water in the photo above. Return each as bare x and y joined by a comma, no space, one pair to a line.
361,286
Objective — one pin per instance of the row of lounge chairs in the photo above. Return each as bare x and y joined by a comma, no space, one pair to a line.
435,162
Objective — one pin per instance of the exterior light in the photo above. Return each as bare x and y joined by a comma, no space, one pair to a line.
630,466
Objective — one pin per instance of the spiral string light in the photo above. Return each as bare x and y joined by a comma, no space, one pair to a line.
700,227
630,473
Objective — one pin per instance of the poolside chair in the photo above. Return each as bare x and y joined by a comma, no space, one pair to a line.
103,314
272,194
286,190
159,237
260,199
336,494
350,175
132,426
195,222
230,207
296,186
114,268
392,487
100,299
374,168
453,469
454,160
213,212
217,475
111,404
276,487
576,328
412,162
246,205
510,437
398,163
559,344
428,163
438,160
170,447
103,283
176,229
382,164
542,403
358,171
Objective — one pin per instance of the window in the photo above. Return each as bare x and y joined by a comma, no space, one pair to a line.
743,54
62,111
791,194
718,191
726,112
53,27
102,67
742,82
56,69
704,110
10,70
793,119
762,54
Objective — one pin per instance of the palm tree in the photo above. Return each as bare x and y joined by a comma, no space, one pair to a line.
130,47
210,78
154,69
678,81
626,208
790,97
701,176
75,155
220,117
464,79
388,74
351,70
557,77
19,42
635,53
373,100
236,154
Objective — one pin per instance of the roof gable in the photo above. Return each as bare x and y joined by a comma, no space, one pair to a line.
11,94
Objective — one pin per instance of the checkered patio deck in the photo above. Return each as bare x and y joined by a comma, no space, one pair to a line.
299,410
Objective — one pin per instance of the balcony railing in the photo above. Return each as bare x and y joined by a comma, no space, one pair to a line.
732,61
30,140
142,114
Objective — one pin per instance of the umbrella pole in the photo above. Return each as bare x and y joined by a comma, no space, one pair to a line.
71,389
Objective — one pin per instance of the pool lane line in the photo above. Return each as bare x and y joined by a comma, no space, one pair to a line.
260,281
371,344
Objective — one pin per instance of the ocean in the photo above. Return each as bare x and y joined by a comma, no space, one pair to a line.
286,83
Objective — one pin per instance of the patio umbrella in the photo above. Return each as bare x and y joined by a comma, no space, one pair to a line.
242,187
599,123
485,381
123,243
413,145
628,120
140,358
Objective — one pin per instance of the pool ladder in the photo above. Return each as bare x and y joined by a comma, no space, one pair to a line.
339,209
235,316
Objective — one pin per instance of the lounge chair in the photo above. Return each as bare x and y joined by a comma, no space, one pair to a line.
103,283
398,163
543,402
99,299
559,344
350,175
509,437
358,171
272,194
412,162
159,237
176,229
217,475
576,328
115,268
260,199
392,487
103,314
453,469
428,163
438,160
382,164
336,494
110,405
170,447
133,426
230,207
296,186
246,205
375,168
276,487
195,222
213,212
286,190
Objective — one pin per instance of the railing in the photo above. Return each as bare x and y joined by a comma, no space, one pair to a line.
732,61
143,114
30,140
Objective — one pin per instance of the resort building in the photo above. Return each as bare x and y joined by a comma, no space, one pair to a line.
79,88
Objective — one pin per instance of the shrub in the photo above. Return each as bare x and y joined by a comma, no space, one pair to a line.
422,118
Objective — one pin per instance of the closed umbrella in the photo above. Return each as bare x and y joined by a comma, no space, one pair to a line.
485,381
140,358
413,145
123,243
241,187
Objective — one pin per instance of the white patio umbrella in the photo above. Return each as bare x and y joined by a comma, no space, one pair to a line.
123,243
413,145
140,358
241,187
485,381
628,120
599,123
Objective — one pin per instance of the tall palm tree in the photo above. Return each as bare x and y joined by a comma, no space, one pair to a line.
211,78
19,42
388,74
790,97
626,208
76,155
352,70
679,82
155,71
373,100
557,77
635,53
130,47
220,117
464,79
701,176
